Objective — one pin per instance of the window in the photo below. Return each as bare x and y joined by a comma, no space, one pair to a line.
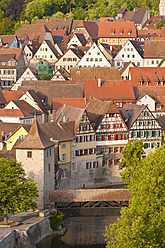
138,63
98,53
64,59
51,56
111,137
29,154
111,149
128,56
47,153
133,56
63,157
73,154
48,167
88,165
9,63
64,146
117,149
105,150
91,59
89,53
87,59
122,55
100,59
118,63
95,164
121,105
73,142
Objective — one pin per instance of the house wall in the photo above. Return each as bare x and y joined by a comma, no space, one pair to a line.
13,138
152,62
45,52
74,41
63,150
37,168
69,60
10,119
114,41
147,100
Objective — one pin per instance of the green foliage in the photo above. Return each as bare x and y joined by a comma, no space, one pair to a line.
55,220
142,224
45,76
159,24
17,192
58,15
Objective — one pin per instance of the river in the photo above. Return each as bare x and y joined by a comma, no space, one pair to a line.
82,232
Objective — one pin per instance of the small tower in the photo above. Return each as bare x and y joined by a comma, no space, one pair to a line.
36,153
162,8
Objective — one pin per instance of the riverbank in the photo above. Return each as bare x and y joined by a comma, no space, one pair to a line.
32,229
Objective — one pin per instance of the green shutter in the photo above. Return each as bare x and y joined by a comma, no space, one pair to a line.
143,123
147,134
131,134
153,133
139,133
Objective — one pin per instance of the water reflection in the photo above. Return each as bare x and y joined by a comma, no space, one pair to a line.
83,232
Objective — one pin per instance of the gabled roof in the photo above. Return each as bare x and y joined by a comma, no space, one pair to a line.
2,98
33,31
125,66
148,33
52,48
64,73
9,128
37,100
130,113
56,24
113,29
150,23
24,106
97,109
12,95
109,90
157,93
36,139
7,39
70,113
137,47
81,38
136,16
74,102
91,27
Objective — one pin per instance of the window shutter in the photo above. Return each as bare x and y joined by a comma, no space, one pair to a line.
101,126
120,149
115,161
147,133
110,162
97,163
103,163
109,150
102,137
90,165
127,135
117,137
96,138
108,137
159,133
114,149
131,134
109,126
153,133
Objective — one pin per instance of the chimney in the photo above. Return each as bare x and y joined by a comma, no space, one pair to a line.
99,82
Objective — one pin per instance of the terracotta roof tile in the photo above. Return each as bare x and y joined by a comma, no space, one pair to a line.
14,113
74,102
139,74
12,52
154,48
109,90
91,27
11,95
7,39
107,28
36,139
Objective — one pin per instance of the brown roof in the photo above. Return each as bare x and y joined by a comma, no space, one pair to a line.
58,132
14,113
107,28
33,31
155,92
52,89
91,27
7,39
12,95
97,109
9,128
70,114
56,24
125,65
106,19
8,154
152,74
130,112
109,90
64,73
36,138
12,52
74,102
144,33
2,98
105,73
136,16
81,39
52,48
154,48
24,106
37,100
58,32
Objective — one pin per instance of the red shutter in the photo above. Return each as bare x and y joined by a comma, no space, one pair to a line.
115,161
120,149
102,137
127,135
121,125
103,163
114,149
101,126
113,125
108,137
110,163
90,165
109,150
97,164
117,136
120,136
96,138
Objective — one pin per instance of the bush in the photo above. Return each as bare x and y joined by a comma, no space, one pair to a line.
55,220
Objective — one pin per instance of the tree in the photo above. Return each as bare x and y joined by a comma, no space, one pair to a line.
17,192
142,224
58,15
45,77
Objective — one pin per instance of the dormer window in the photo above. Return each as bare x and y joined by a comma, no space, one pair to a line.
121,33
146,83
3,63
161,83
140,83
129,33
156,83
112,33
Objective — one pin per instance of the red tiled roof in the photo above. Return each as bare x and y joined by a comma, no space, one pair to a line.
106,19
107,28
154,48
74,102
14,113
36,139
139,74
109,90
12,95
11,51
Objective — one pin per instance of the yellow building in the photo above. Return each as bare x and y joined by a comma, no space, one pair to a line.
19,133
64,152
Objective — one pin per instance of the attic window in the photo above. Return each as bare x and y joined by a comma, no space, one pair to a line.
157,94
156,73
29,154
112,33
129,33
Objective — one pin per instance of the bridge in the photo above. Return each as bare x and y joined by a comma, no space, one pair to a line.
81,200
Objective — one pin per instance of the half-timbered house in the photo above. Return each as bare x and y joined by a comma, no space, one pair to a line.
111,135
143,126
